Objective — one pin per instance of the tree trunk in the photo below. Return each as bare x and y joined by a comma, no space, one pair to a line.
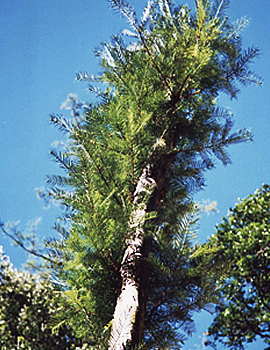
129,300
130,311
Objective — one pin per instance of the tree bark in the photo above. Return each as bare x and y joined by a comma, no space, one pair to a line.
128,301
130,311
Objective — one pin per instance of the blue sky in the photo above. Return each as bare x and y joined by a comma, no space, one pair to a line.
43,44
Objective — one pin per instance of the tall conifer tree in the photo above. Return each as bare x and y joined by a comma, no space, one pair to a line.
139,153
134,160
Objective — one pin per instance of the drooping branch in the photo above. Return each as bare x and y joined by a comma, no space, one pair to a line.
28,250
173,272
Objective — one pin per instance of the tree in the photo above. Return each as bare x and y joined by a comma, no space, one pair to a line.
242,240
135,158
27,304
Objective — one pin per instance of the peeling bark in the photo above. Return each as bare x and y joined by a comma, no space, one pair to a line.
128,301
130,311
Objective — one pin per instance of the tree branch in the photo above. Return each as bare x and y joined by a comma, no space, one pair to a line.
30,251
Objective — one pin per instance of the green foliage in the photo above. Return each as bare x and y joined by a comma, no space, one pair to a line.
179,283
243,243
27,305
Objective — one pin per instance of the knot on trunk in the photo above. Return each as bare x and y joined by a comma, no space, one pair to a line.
145,184
132,254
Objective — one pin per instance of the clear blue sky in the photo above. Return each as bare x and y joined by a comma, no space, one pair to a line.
43,44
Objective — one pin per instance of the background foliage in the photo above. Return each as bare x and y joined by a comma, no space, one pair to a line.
27,305
243,243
